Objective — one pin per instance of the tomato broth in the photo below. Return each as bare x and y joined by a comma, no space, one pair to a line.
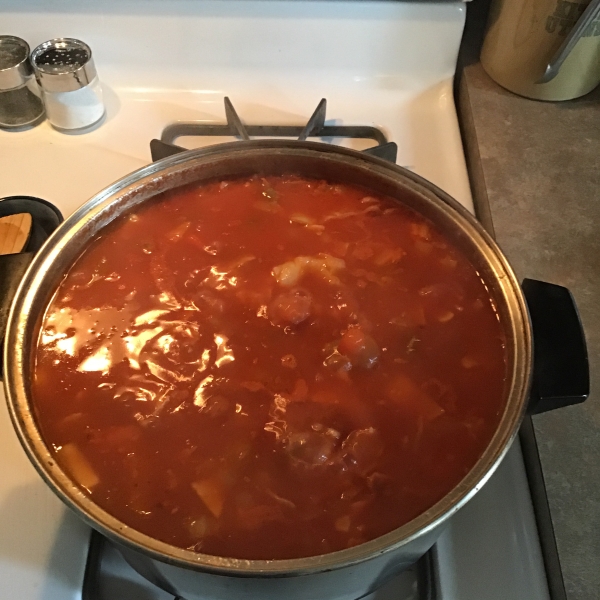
269,368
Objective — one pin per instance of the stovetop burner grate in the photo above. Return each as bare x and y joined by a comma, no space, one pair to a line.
315,127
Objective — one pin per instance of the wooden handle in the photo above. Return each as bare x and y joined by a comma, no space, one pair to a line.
14,233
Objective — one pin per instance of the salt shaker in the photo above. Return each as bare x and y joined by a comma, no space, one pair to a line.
70,86
20,101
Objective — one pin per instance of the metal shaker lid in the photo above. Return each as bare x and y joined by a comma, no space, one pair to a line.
63,65
15,67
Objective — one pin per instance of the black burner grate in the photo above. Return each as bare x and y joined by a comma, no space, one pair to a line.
315,127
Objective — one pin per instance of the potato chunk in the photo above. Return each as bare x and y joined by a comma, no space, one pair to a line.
211,493
78,466
359,347
324,265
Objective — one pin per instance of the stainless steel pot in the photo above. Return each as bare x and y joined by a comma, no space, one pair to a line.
346,574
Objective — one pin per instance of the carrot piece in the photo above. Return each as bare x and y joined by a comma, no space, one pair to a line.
253,517
359,347
413,316
446,316
300,390
406,393
289,361
343,524
468,362
177,232
253,386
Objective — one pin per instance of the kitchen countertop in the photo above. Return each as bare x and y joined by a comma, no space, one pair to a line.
535,174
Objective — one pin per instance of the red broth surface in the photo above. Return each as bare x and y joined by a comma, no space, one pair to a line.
269,368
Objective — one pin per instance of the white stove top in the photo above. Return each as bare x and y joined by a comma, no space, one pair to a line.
388,64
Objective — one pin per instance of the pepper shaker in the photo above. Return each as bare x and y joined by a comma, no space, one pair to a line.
70,86
20,101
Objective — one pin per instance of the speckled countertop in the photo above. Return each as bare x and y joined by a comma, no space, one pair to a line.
536,166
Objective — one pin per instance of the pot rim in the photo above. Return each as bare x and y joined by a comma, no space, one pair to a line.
23,318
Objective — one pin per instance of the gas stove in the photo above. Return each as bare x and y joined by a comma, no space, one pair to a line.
385,67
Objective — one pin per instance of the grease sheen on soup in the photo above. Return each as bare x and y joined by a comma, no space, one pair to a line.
269,368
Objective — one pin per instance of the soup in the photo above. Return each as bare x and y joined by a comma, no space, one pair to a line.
269,368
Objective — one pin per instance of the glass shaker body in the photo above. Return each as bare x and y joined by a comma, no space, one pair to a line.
20,102
76,109
70,86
